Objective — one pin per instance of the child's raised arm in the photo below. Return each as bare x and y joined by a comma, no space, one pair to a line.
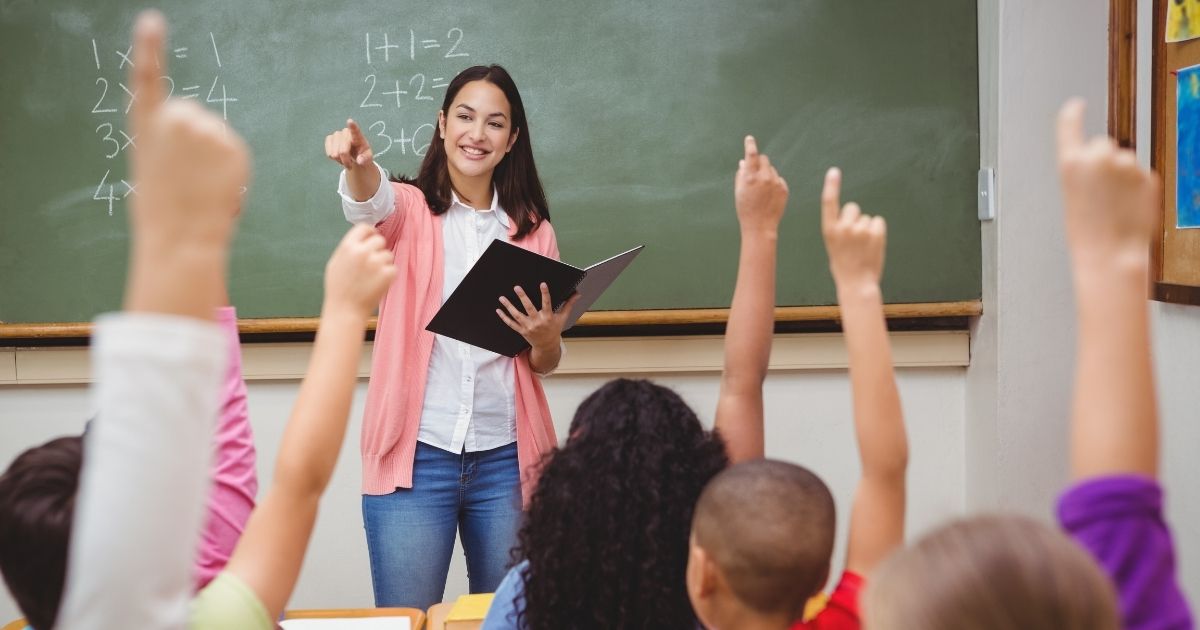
158,365
1115,508
1111,206
233,474
760,195
269,555
855,243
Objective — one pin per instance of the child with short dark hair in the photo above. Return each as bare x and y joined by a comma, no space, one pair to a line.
615,501
762,534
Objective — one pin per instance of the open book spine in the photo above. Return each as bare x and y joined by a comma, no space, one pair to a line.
574,287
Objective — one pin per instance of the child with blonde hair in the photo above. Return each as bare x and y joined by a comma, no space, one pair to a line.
1003,572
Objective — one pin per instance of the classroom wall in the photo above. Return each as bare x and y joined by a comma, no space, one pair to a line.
1033,56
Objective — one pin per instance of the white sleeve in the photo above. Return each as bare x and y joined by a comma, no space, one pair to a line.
373,210
145,472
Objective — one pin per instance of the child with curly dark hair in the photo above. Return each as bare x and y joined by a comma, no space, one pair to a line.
762,536
605,542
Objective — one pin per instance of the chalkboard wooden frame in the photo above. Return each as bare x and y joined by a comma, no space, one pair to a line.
599,319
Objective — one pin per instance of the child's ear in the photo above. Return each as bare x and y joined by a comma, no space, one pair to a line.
824,579
441,124
701,572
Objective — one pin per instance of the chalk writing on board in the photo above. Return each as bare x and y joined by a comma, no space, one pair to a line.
382,141
113,139
379,48
407,70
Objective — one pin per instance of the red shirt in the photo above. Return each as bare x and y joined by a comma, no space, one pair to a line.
841,613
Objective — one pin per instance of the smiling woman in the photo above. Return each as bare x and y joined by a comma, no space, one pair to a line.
451,430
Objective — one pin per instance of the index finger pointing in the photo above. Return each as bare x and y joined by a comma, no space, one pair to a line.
148,36
751,147
1070,127
831,196
355,132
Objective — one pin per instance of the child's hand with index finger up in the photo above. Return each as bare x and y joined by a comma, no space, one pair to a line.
759,193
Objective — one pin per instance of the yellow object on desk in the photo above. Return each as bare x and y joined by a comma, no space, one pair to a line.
468,612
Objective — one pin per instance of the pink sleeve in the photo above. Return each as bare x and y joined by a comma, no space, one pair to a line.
409,199
235,480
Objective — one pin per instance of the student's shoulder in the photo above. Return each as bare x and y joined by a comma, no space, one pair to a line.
503,613
227,602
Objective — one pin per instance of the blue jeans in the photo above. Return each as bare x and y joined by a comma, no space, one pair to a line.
410,532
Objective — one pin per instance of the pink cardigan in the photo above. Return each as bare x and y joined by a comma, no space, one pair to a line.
402,349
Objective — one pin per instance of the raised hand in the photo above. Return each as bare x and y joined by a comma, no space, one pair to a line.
542,328
1111,202
349,147
358,272
760,194
854,241
190,171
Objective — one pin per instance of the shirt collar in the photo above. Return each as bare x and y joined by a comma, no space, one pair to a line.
495,208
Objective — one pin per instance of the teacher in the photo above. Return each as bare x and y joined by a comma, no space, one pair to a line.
451,431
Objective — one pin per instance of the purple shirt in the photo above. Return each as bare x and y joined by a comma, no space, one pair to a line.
1119,519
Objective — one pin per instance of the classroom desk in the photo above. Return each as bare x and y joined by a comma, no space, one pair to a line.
416,616
437,615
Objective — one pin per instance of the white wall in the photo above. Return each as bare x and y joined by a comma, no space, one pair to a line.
1037,55
808,422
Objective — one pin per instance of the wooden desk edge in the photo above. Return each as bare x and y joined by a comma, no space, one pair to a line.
416,616
970,308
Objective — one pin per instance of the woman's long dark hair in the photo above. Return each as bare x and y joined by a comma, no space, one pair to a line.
606,535
515,178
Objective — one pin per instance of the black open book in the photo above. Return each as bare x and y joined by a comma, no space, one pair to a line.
469,314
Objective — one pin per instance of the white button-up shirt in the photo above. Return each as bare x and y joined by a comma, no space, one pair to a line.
469,391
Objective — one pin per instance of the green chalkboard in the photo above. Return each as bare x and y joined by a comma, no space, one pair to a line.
637,110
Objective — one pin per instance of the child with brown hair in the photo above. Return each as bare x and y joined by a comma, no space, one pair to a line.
763,531
1007,573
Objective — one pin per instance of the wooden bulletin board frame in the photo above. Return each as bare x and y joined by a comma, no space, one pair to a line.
1175,254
